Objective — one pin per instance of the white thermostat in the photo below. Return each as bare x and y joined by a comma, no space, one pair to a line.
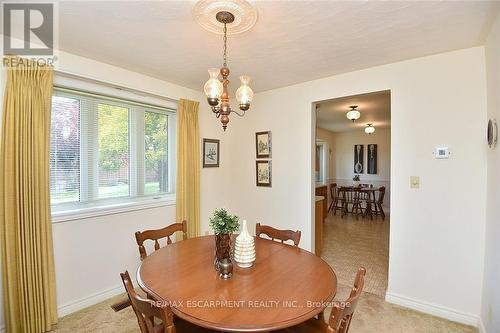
441,152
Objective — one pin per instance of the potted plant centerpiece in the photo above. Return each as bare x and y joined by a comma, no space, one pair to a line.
355,180
223,224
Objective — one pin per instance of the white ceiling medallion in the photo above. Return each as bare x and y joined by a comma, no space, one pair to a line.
245,15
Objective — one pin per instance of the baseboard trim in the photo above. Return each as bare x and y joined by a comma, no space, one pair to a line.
82,303
433,309
480,326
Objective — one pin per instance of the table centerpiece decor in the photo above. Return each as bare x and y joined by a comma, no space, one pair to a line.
223,224
244,248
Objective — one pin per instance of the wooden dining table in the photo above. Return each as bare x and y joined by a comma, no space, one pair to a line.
370,191
285,287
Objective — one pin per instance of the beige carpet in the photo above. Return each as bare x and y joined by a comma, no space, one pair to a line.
349,243
373,315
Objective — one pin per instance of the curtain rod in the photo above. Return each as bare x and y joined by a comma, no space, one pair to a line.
112,85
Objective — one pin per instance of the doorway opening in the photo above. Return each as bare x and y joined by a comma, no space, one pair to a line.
352,170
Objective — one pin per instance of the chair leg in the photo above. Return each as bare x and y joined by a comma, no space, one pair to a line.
382,213
345,209
332,205
375,203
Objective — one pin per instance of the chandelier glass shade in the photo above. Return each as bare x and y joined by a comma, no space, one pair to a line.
216,89
213,87
244,94
369,129
353,114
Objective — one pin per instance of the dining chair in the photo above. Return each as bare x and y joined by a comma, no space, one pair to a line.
341,315
341,202
155,235
149,313
141,236
276,234
380,202
334,195
349,198
358,197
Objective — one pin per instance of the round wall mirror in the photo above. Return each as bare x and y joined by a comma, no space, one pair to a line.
492,133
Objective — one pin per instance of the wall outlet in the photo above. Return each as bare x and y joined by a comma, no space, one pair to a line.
414,182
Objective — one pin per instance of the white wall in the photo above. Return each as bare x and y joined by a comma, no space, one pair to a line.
437,232
491,289
343,154
90,253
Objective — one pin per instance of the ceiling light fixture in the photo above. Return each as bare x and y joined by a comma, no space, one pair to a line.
353,114
217,90
369,129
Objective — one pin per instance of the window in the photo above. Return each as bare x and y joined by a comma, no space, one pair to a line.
106,151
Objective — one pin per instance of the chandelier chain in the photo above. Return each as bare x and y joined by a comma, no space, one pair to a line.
225,45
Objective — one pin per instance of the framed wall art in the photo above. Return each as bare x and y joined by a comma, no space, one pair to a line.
263,171
263,144
211,150
372,159
359,166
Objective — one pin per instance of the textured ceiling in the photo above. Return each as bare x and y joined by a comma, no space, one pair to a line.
375,108
292,42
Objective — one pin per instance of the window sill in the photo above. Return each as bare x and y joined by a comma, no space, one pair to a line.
111,209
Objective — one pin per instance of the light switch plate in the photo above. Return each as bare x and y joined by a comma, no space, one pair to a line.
414,182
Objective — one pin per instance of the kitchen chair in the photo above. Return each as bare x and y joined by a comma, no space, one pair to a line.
349,195
379,202
149,313
141,236
334,193
358,197
340,203
281,235
341,315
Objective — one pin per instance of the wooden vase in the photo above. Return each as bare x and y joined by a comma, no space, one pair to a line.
222,248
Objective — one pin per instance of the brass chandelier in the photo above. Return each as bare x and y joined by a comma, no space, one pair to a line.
217,89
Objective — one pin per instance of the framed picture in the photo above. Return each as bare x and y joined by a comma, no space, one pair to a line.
359,166
263,172
211,153
372,159
263,144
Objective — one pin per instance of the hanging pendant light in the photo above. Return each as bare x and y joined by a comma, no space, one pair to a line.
353,114
369,129
217,90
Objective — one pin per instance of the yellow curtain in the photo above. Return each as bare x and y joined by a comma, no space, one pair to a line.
188,166
25,227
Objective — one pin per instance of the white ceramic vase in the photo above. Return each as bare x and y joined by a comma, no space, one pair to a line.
244,248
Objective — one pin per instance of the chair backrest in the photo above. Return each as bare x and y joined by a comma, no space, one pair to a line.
282,235
333,190
341,316
381,194
348,194
146,310
141,236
